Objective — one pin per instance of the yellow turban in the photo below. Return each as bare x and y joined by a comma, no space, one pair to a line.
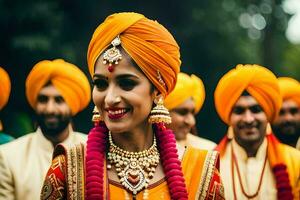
258,81
147,42
186,87
289,89
4,87
65,77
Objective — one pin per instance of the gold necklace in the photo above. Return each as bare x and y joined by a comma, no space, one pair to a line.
134,169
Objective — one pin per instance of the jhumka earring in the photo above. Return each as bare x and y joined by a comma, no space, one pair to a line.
112,55
159,113
96,116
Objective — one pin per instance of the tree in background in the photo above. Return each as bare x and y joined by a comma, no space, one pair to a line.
214,36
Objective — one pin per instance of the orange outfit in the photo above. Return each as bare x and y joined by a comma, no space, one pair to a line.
200,169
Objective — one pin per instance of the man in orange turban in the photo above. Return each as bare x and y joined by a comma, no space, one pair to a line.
184,102
287,125
255,164
4,95
56,90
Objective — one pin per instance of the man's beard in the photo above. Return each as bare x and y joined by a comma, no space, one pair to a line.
55,128
287,138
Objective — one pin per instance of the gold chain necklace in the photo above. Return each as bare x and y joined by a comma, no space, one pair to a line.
134,169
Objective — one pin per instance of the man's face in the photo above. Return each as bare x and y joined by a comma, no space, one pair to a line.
249,121
287,124
53,113
183,119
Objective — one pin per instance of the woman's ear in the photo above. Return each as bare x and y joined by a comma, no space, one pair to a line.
155,93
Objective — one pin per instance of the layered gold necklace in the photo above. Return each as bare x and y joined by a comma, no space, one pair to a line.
134,169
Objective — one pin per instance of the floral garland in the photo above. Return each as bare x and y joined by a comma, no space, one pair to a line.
95,183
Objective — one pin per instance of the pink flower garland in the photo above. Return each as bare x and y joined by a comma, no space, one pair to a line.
95,156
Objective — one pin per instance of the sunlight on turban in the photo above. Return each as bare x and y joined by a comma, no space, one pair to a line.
4,87
65,77
147,42
186,87
258,81
289,89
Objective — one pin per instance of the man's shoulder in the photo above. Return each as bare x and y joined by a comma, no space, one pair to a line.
80,137
17,148
18,143
201,143
291,151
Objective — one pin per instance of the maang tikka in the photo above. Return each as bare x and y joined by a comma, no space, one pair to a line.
112,55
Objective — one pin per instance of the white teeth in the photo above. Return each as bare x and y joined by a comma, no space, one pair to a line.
115,112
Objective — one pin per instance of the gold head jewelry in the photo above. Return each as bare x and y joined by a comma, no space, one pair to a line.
160,79
159,113
96,115
112,55
134,169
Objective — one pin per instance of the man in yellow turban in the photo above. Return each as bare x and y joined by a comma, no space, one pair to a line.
253,163
184,102
4,95
56,90
287,125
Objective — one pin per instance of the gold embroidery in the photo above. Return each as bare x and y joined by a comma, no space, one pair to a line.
75,172
207,172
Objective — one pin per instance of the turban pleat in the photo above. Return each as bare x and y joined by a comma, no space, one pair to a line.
289,89
5,87
65,77
258,81
186,87
147,42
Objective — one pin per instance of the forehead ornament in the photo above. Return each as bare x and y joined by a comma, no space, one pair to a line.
113,55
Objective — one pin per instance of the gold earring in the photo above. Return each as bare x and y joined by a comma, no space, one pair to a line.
96,116
159,113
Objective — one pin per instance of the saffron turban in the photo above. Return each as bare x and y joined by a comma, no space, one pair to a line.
258,81
147,42
4,87
289,89
65,77
186,87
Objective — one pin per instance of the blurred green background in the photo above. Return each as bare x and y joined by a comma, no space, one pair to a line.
214,36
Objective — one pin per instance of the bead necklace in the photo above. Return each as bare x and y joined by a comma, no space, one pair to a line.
234,162
134,169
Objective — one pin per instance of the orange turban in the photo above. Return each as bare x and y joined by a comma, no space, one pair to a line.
186,87
65,77
258,81
147,42
289,89
4,87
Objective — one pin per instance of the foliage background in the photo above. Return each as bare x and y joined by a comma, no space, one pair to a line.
214,36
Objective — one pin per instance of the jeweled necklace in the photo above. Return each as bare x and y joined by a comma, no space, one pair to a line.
234,162
134,169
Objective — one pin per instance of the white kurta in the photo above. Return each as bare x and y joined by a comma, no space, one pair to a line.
197,142
24,163
250,170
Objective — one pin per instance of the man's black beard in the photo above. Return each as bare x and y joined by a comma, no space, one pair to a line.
53,129
286,138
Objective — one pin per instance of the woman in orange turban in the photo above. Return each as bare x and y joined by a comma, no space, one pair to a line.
184,102
4,95
130,154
